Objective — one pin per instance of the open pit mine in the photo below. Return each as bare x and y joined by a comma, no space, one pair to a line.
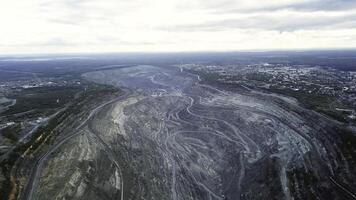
170,135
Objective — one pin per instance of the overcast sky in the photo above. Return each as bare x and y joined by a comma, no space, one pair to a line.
47,26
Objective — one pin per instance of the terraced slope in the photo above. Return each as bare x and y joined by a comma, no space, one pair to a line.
171,137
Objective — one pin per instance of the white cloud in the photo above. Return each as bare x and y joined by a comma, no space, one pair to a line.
42,26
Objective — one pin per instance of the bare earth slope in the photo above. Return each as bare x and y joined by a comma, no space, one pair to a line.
171,137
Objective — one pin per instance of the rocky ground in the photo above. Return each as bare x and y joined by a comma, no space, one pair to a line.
171,137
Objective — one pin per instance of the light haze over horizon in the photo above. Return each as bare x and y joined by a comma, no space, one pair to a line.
74,26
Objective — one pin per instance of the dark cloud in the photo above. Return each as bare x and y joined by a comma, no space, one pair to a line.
322,5
312,5
282,23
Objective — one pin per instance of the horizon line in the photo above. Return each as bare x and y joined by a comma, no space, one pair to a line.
178,52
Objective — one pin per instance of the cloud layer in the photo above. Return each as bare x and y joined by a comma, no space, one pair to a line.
44,26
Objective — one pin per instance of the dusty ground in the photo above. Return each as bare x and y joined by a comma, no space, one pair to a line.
171,137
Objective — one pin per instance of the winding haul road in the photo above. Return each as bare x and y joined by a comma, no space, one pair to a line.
33,179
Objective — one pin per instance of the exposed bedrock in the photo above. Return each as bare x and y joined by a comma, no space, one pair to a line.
173,138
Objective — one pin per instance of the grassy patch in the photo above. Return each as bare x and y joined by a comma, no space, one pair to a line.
42,98
320,103
10,132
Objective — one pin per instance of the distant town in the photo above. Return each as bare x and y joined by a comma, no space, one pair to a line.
294,80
